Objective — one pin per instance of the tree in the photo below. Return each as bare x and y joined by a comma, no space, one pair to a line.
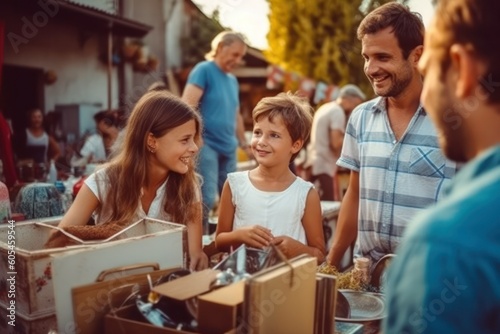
317,39
196,43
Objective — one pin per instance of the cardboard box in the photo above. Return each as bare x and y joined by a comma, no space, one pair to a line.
128,320
219,310
281,298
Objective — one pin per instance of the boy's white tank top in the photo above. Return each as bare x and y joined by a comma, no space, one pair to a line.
281,212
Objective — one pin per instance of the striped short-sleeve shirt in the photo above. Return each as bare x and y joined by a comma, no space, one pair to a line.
397,178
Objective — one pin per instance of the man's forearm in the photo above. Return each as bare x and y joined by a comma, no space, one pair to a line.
240,130
347,224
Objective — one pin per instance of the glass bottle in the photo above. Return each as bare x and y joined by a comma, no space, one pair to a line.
52,175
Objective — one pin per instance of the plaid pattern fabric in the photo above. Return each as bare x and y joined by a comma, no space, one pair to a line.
397,178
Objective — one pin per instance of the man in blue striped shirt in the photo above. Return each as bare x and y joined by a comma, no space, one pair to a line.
390,146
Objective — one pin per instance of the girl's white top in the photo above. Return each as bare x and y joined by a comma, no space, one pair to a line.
98,184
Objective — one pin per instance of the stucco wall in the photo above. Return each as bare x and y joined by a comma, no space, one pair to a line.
69,51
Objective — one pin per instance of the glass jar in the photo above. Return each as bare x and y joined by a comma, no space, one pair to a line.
361,271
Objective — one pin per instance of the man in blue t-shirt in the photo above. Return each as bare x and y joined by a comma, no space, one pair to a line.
445,278
214,91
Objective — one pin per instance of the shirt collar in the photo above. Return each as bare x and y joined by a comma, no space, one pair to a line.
381,106
482,164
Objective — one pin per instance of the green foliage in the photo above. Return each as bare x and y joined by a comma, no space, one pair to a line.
197,43
317,39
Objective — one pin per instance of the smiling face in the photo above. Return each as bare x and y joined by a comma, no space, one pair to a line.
229,56
176,148
271,142
388,72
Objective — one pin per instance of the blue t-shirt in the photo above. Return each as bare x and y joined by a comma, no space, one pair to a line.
218,106
446,277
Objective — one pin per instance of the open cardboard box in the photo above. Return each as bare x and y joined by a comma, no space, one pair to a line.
218,310
217,313
128,320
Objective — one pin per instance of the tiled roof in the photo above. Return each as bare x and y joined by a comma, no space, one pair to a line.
91,17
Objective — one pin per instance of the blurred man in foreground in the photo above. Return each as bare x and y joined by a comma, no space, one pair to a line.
445,278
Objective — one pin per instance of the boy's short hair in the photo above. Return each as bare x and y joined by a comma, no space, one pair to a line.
295,111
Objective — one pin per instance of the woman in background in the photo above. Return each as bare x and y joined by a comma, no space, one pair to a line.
35,143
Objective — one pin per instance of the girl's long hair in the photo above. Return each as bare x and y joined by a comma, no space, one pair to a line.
157,112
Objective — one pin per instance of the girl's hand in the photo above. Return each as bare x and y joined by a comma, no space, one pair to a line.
255,236
198,261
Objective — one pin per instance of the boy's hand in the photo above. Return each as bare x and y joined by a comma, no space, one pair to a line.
288,246
255,236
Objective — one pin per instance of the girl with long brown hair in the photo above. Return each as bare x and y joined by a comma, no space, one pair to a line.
151,175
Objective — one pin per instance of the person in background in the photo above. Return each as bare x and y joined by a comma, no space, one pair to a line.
152,174
158,85
327,136
5,210
97,147
9,174
445,276
35,144
215,92
390,146
269,204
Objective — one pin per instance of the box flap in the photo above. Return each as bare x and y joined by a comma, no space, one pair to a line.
218,310
230,295
188,286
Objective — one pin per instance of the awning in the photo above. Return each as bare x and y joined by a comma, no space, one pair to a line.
87,17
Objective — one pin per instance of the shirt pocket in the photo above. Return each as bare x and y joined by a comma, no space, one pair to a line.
427,162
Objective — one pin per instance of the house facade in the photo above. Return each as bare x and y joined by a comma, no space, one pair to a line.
68,41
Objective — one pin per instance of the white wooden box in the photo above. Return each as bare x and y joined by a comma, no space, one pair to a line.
148,240
41,324
34,294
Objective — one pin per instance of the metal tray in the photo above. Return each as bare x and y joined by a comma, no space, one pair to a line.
364,306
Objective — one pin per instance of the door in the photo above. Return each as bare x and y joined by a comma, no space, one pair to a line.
22,90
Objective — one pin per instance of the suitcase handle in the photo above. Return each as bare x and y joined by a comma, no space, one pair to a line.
107,272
